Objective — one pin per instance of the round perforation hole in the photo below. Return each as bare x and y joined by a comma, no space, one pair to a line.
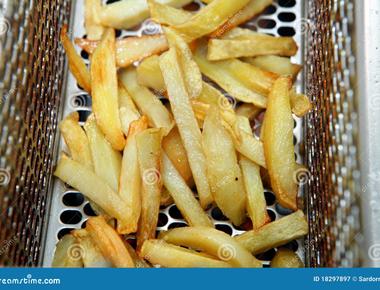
270,10
287,17
272,215
217,214
71,217
287,3
286,31
177,225
224,228
83,115
282,210
270,198
162,220
267,256
73,199
88,210
175,213
267,23
64,232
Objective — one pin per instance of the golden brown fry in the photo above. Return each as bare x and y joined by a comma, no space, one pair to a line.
190,70
183,196
167,15
209,18
249,111
127,14
107,161
158,252
275,234
222,168
127,109
76,140
91,255
109,242
254,44
96,189
256,79
286,258
139,262
226,80
253,8
276,64
94,29
256,203
213,242
77,67
105,90
149,74
130,178
166,198
131,49
173,147
187,123
300,103
278,144
147,102
149,156
68,253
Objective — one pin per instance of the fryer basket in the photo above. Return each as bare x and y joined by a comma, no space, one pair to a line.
36,90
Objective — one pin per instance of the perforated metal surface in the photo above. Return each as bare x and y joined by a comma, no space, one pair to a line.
331,136
31,79
70,210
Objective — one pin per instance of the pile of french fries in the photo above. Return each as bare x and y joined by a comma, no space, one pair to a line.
136,153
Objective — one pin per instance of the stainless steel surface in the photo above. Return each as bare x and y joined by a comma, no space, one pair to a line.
31,80
61,214
368,89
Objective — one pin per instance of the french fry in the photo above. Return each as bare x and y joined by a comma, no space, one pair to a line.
167,15
149,74
187,123
253,8
244,142
77,67
67,253
278,144
275,234
158,252
166,198
173,147
93,187
127,14
209,18
94,29
107,161
92,257
227,81
256,79
213,242
256,203
76,140
286,258
300,103
248,110
276,64
130,178
109,242
190,70
131,49
105,90
254,44
223,170
149,156
147,102
127,109
183,196
139,263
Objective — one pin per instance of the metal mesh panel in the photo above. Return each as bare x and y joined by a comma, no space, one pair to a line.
31,79
331,136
